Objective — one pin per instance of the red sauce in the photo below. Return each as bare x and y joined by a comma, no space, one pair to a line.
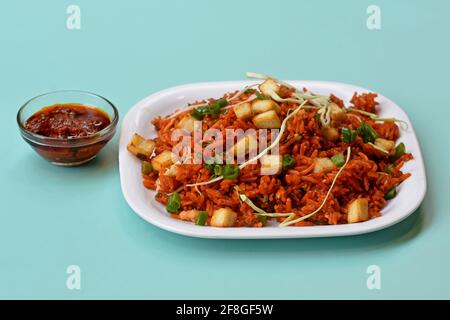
68,120
65,122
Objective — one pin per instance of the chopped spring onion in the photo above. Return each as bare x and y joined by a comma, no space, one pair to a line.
288,161
201,219
210,165
174,203
348,135
220,103
389,168
262,219
399,151
262,96
199,113
227,172
317,117
289,220
230,172
176,114
214,168
390,194
367,133
213,109
338,160
218,170
146,168
237,95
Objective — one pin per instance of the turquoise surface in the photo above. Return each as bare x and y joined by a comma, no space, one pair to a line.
52,217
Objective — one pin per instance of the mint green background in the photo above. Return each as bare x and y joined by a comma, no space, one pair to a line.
52,217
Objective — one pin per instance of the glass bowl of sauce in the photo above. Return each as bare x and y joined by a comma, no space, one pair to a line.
68,128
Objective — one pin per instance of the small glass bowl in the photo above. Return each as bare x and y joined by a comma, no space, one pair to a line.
71,151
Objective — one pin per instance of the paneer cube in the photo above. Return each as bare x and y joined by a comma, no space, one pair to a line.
260,106
245,145
267,120
223,217
186,123
162,160
385,144
337,113
330,133
243,111
269,86
271,164
323,165
172,171
358,211
141,147
189,215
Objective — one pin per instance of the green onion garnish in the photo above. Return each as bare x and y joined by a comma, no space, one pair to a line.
199,113
201,219
262,219
389,168
212,109
221,102
146,168
317,117
261,96
214,168
399,151
348,135
338,160
174,203
218,170
367,133
209,166
230,172
390,194
288,161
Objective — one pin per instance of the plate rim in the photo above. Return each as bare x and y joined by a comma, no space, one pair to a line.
191,230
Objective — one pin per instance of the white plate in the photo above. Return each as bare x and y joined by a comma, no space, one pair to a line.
410,193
